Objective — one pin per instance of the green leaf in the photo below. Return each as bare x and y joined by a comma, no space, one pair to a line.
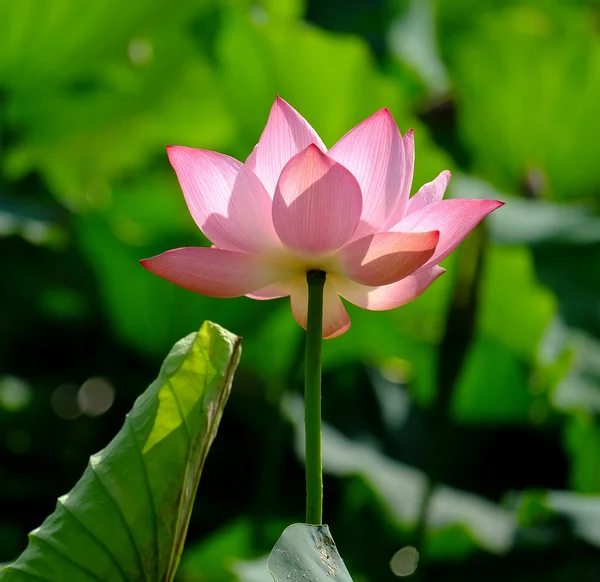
306,553
517,320
503,57
493,386
582,438
581,512
127,517
105,109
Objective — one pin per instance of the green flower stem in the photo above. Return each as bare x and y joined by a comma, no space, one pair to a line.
312,399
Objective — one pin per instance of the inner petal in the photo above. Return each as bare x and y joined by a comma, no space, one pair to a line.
317,203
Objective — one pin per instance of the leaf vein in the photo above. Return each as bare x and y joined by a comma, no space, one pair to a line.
127,529
82,526
19,568
150,494
181,414
61,553
172,555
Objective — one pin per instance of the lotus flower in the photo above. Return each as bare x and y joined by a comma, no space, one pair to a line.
295,206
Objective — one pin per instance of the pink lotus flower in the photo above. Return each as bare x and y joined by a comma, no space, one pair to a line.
295,206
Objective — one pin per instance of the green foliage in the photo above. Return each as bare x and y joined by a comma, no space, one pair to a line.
489,383
537,59
127,518
215,558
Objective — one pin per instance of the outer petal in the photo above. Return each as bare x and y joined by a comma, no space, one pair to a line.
374,152
386,257
455,219
429,193
227,201
285,134
317,203
335,317
387,296
212,272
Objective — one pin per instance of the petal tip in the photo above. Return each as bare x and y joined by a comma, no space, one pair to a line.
384,116
492,204
148,263
281,102
384,112
314,151
174,151
445,176
338,332
435,235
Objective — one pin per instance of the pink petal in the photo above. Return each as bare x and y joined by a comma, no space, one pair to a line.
227,201
285,134
455,219
387,296
373,151
273,291
386,257
317,203
335,317
429,193
212,272
409,149
408,142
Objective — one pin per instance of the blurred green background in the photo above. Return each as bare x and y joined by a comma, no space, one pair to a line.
465,423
